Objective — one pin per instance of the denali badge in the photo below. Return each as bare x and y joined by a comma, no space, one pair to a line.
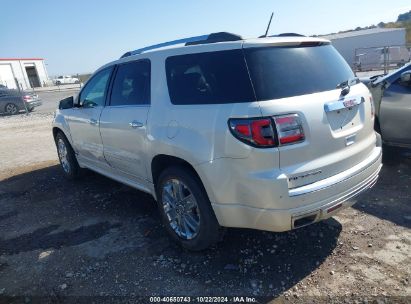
294,178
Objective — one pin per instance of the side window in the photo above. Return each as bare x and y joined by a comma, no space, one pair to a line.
94,93
405,82
209,78
131,84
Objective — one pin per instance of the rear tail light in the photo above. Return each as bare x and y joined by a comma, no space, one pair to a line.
26,97
289,128
268,132
255,132
372,107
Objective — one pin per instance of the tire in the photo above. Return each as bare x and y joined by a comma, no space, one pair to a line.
11,109
67,157
191,222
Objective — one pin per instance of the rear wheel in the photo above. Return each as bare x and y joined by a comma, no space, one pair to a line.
11,109
67,157
185,209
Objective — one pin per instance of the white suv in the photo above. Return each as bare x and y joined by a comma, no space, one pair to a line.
269,133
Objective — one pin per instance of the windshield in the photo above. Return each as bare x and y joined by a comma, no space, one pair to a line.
280,72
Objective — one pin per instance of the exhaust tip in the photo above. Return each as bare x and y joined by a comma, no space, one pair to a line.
304,220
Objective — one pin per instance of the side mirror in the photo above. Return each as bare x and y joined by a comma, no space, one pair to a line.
66,103
406,77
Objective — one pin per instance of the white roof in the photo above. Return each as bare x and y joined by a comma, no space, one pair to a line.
248,42
361,32
181,48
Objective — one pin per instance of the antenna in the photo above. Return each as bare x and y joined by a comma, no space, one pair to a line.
268,27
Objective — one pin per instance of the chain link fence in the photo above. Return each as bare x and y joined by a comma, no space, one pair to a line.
382,58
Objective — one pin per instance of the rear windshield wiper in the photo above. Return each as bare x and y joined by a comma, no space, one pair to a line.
348,83
345,86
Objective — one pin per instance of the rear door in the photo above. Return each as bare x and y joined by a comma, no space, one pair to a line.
303,80
395,112
84,119
123,121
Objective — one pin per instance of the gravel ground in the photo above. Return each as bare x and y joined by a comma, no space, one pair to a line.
96,237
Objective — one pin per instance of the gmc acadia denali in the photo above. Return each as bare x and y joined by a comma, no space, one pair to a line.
271,133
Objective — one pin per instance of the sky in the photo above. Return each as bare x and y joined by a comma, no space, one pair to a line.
78,36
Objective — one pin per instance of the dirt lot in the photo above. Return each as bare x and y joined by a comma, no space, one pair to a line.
96,237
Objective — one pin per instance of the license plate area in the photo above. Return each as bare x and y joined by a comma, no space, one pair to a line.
344,114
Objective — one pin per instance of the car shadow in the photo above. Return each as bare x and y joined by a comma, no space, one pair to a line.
245,262
259,263
44,238
11,115
390,198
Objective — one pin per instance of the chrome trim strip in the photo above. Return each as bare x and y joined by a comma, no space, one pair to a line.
338,178
339,105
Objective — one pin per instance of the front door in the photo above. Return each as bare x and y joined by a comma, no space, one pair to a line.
123,121
84,119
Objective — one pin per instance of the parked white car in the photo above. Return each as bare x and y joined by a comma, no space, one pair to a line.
65,80
269,133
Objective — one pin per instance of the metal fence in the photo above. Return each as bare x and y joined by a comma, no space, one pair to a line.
381,58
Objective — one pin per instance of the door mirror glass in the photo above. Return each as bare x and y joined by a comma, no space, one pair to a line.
66,103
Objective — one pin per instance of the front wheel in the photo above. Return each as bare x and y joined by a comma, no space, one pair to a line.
185,209
67,157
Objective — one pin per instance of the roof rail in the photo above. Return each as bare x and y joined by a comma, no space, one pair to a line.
211,38
217,37
288,35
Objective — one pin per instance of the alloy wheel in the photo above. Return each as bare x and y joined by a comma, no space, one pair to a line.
62,150
11,109
181,209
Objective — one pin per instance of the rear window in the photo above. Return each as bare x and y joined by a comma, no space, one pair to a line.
279,72
209,78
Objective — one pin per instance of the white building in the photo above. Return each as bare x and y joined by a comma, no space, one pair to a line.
347,43
23,72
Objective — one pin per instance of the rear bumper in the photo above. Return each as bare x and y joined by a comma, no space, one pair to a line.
323,200
33,104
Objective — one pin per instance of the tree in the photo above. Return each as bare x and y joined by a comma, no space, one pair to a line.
404,17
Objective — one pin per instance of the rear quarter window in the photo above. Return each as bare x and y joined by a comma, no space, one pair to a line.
209,78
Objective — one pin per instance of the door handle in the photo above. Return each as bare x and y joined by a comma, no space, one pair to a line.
135,124
93,122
